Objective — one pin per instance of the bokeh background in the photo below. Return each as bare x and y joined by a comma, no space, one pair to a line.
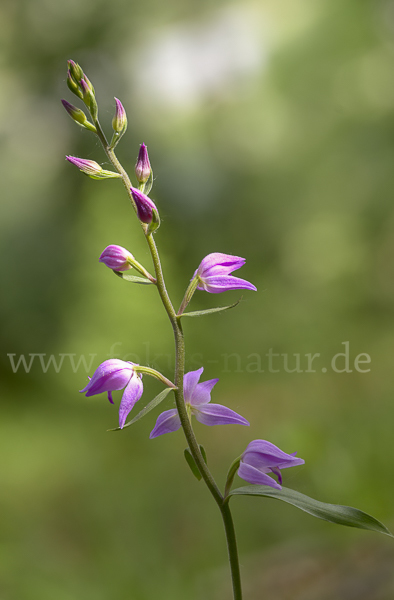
270,127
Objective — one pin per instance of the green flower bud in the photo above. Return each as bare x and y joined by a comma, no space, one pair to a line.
89,98
75,113
78,116
75,71
72,85
119,122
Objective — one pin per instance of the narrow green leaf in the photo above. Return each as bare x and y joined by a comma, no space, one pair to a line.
335,513
192,464
152,404
133,278
204,454
208,311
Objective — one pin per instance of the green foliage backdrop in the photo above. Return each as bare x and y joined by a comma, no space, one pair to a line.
270,127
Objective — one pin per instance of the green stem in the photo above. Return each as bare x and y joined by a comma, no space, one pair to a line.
179,374
232,550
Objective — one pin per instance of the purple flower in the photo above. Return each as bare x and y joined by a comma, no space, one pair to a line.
119,122
116,258
197,399
142,167
115,374
145,206
214,274
260,458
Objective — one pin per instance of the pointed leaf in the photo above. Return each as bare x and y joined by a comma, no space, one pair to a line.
192,464
335,513
200,313
204,454
152,404
133,278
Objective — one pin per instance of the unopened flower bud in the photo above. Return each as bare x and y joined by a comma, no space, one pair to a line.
75,113
91,168
119,122
78,116
75,70
88,97
88,83
73,86
117,258
145,206
142,167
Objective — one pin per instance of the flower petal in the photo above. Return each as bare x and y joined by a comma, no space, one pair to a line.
112,374
131,395
224,283
202,392
190,381
263,455
252,475
227,262
216,414
167,422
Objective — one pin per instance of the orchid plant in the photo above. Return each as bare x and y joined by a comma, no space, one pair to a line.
261,463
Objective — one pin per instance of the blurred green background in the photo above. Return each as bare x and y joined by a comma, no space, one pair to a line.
270,128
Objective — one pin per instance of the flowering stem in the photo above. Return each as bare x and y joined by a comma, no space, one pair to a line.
179,374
